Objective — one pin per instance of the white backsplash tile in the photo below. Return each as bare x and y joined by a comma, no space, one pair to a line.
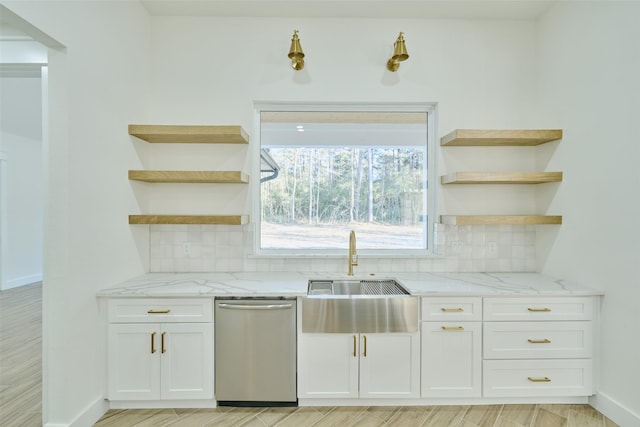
218,248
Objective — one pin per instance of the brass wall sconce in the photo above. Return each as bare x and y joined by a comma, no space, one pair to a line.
295,52
399,54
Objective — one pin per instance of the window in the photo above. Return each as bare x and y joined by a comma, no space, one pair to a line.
325,171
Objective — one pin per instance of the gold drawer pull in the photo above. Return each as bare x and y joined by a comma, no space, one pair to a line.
540,380
158,311
452,310
544,341
539,310
354,347
453,328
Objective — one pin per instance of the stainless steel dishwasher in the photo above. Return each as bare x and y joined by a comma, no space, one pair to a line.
255,352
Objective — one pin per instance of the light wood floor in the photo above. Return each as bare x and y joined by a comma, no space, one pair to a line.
423,416
21,356
21,394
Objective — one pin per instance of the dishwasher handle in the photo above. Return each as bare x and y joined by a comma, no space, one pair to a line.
255,307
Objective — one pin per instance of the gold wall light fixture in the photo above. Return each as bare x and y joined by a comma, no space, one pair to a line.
295,52
399,54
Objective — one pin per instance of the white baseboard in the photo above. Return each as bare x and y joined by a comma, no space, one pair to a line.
88,417
162,404
22,281
613,410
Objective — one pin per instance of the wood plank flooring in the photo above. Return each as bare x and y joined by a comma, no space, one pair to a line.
21,356
21,394
375,416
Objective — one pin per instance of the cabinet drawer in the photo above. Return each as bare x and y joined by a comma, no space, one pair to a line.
532,340
147,310
451,309
513,378
538,308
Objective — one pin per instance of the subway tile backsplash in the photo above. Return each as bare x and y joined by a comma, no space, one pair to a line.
459,248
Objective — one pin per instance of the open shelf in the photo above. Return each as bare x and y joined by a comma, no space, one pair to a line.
520,137
190,134
187,134
190,219
500,219
501,177
221,177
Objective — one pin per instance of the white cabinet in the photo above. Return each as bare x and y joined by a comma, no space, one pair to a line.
539,346
451,344
538,377
538,309
389,365
537,340
333,365
171,359
134,362
451,308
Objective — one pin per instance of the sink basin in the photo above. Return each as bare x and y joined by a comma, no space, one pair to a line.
359,306
356,287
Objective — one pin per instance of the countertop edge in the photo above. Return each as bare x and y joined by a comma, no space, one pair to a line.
294,284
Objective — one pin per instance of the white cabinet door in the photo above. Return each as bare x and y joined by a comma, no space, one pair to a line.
134,361
160,361
328,365
451,359
358,365
186,361
390,365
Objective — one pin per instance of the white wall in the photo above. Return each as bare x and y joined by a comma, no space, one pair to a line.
589,63
481,73
21,143
96,87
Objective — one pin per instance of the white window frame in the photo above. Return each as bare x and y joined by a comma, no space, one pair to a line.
416,107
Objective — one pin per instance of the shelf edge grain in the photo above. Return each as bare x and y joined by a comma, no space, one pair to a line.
190,134
190,219
501,219
501,177
500,137
166,176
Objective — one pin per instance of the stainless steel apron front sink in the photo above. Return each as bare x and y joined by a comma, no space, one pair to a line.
356,287
359,306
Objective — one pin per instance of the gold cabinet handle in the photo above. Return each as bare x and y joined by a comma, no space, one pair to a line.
365,346
544,341
539,380
163,350
539,310
354,347
153,342
452,310
158,311
453,328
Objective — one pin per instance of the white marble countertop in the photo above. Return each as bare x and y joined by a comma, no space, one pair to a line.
295,284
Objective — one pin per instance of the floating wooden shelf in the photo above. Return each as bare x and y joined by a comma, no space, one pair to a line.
189,219
479,137
222,177
500,219
501,177
190,134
